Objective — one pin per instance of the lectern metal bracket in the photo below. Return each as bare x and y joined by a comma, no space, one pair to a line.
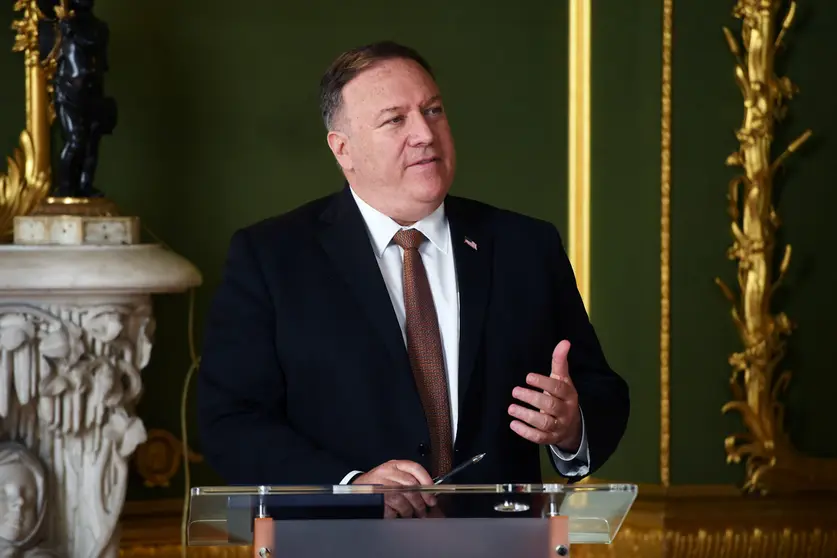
559,534
263,532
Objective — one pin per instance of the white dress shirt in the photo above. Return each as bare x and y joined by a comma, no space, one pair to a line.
437,256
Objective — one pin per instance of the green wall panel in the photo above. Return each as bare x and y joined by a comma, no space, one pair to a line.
625,217
706,109
807,205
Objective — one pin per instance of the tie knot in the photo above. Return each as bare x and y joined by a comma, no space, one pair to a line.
408,238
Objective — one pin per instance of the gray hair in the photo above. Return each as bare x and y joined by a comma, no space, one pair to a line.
351,63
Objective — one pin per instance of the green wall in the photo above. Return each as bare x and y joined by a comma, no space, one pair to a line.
807,205
625,217
625,275
707,108
219,127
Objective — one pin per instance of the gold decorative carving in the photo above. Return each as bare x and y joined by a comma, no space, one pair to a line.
631,542
665,249
158,459
85,207
772,463
28,178
670,543
638,543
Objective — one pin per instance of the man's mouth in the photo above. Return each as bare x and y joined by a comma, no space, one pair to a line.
424,161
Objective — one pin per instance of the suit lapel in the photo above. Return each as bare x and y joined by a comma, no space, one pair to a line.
472,249
347,243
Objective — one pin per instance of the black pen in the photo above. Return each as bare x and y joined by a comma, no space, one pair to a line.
446,476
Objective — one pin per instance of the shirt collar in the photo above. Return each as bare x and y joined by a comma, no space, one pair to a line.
382,228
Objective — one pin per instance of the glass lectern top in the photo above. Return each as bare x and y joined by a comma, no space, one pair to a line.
223,516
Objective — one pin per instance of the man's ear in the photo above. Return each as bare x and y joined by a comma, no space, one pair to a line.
338,142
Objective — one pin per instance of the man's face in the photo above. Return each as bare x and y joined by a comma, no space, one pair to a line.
393,140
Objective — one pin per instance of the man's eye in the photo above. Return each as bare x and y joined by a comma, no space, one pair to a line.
395,120
435,110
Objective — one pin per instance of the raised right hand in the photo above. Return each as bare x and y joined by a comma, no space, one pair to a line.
401,473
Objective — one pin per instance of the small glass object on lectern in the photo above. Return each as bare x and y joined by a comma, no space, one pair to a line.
485,521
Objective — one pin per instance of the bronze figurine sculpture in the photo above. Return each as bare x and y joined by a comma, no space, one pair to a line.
84,111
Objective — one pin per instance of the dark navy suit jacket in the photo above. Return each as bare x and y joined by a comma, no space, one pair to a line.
305,377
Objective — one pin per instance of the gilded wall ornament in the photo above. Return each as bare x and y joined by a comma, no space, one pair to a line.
758,381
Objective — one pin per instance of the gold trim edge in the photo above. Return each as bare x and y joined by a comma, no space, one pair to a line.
665,246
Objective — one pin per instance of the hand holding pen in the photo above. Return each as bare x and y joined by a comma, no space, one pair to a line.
442,478
408,473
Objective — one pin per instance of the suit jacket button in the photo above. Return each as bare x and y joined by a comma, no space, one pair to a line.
423,450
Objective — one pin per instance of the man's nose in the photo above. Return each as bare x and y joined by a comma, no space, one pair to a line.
420,131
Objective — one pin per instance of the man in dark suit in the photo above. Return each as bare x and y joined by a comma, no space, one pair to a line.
388,332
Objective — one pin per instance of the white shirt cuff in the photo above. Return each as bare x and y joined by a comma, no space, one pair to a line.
576,464
348,478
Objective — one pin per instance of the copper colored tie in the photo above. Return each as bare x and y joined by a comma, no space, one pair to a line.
424,346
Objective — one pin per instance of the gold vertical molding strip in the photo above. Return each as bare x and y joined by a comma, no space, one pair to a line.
579,145
665,249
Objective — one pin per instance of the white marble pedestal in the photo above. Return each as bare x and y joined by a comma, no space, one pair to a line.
76,329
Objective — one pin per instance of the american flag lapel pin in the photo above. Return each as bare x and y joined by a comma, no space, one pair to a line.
470,243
